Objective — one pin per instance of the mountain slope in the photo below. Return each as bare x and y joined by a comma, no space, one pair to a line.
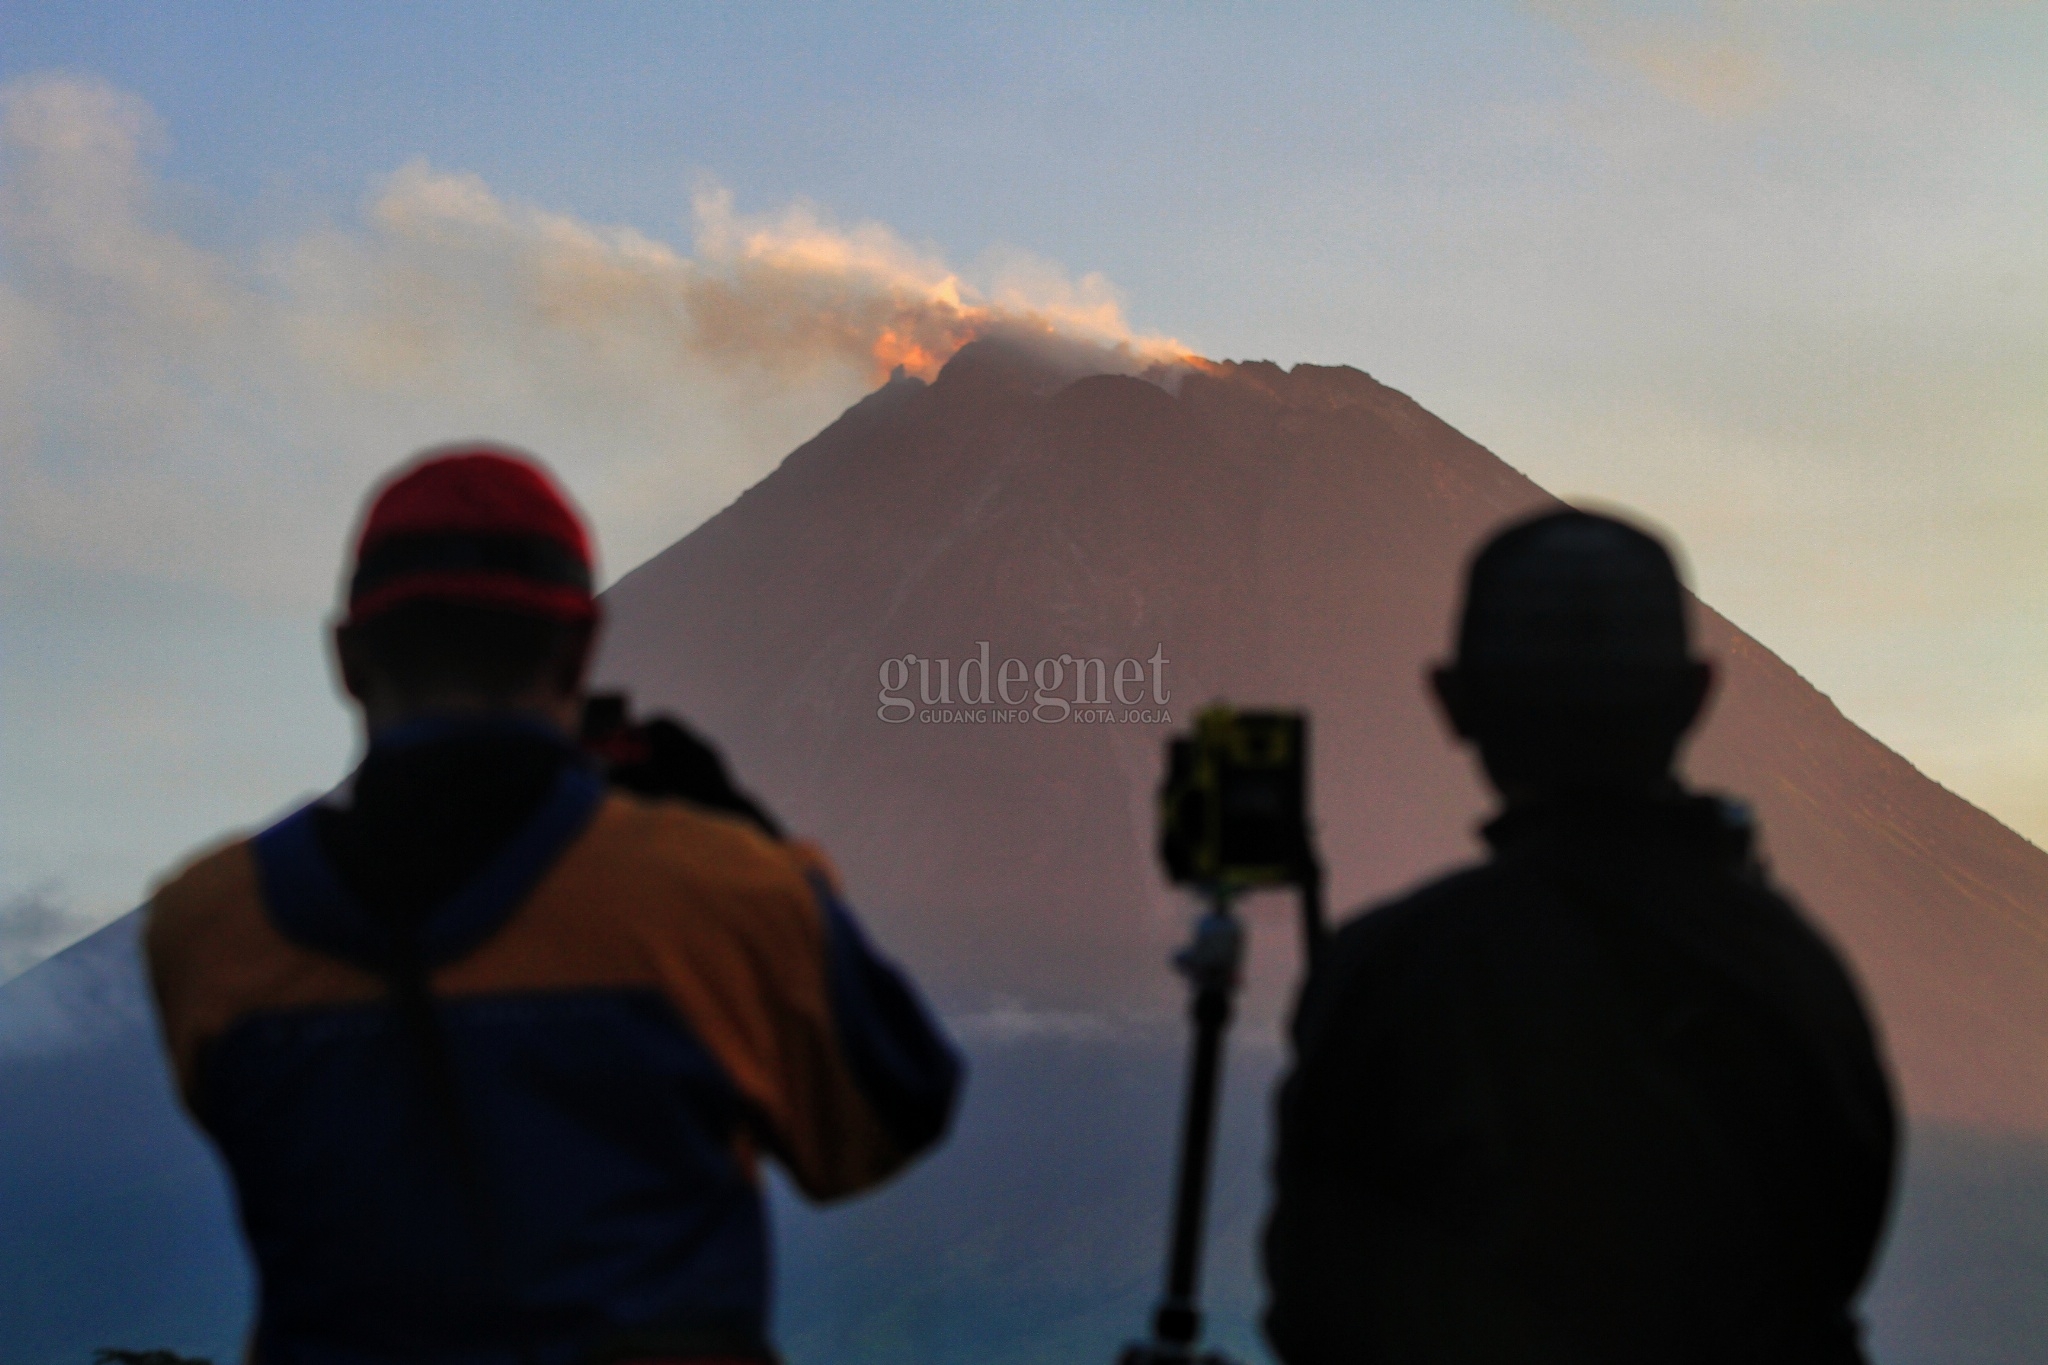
1288,537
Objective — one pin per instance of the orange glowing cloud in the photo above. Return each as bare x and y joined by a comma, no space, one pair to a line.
814,287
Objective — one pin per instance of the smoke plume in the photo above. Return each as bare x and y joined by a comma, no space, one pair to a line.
174,407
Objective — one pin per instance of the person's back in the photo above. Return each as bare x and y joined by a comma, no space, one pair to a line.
1605,1098
492,1052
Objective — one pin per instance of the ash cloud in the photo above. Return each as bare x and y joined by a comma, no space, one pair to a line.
171,408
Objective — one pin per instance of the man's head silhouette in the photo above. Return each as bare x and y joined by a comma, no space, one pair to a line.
470,590
1573,672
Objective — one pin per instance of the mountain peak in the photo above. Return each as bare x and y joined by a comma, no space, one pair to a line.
1021,360
1278,536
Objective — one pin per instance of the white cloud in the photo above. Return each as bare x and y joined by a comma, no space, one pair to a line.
34,924
1713,57
1011,1021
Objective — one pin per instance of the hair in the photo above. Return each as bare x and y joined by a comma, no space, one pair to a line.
1573,658
1573,591
430,648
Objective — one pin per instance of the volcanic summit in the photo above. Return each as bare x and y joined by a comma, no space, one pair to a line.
1291,537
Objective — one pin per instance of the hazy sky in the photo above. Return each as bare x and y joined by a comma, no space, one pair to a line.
1774,275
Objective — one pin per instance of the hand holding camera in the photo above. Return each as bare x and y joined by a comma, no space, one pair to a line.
664,757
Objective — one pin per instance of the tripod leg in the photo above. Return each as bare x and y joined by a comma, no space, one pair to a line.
1211,965
1178,1320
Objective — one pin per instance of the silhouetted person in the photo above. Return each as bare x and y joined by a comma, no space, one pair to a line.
1606,1097
493,1052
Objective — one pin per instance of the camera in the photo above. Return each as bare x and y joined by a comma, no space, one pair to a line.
1233,811
663,757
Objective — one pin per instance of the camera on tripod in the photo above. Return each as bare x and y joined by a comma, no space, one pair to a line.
1233,811
1233,817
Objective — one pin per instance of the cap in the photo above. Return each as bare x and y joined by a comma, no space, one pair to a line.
482,525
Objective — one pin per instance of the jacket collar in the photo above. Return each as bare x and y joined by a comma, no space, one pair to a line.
1717,827
306,901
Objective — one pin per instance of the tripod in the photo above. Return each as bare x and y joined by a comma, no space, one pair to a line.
1211,963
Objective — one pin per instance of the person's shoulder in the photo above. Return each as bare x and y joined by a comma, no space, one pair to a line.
1725,862
1442,905
1387,939
698,857
1754,909
205,872
217,883
686,838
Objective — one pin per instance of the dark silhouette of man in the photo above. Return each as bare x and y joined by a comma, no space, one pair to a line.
1606,1097
492,1051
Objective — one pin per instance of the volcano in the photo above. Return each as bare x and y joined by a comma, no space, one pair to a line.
1285,537
947,638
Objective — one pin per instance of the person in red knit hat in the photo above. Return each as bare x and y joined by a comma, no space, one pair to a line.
491,1049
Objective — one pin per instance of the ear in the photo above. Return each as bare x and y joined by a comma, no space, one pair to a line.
1697,687
1448,688
352,661
572,662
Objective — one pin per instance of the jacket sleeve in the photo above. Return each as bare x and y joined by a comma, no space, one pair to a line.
900,1061
844,1073
903,1064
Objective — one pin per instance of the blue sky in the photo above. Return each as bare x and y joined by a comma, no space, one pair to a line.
1775,275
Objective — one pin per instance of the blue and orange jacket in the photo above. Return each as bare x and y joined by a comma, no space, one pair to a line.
628,1003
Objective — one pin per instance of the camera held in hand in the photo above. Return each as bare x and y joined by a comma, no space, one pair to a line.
663,757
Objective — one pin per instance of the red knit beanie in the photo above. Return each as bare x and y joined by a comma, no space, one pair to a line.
481,525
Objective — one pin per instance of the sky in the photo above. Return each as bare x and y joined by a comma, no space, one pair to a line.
1772,275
